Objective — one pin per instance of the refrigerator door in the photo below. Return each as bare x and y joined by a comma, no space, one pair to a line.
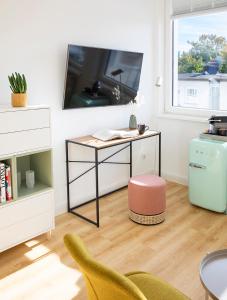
208,174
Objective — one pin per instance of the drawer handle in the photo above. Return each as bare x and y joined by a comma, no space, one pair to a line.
197,166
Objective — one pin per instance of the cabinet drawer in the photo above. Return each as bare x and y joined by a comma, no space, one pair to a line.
25,230
16,142
27,208
12,121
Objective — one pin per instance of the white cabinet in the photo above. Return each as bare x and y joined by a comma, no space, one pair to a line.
23,119
25,143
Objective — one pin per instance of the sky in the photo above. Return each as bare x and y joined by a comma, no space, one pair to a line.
190,28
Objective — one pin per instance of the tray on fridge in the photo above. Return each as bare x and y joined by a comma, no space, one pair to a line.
213,137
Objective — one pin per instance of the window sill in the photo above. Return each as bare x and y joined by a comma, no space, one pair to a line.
181,117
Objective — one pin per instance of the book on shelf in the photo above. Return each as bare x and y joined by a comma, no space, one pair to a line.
5,183
2,183
8,183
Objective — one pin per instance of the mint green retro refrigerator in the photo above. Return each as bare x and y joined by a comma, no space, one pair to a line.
208,174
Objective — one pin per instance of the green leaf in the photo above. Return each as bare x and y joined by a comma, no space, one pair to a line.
12,86
24,83
18,83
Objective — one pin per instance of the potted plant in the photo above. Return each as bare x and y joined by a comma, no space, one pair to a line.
18,87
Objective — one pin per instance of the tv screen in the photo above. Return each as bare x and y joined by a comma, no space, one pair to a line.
100,77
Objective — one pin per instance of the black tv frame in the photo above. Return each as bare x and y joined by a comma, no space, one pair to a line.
109,78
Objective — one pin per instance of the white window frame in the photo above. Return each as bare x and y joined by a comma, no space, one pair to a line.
168,108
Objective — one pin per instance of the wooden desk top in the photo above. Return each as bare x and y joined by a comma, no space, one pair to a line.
90,141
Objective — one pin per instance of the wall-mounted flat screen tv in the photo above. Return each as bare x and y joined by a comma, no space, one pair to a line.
101,77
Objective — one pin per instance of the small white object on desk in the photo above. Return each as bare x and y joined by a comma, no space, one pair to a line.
109,134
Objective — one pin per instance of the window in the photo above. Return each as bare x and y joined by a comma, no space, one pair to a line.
192,92
200,61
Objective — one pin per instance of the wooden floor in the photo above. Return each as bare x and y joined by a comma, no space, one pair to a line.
41,269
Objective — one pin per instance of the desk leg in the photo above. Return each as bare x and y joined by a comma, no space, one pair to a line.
67,174
159,153
130,159
97,185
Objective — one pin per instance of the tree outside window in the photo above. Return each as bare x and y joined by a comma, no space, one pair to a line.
200,52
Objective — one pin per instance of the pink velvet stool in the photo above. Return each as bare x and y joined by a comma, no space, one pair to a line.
146,199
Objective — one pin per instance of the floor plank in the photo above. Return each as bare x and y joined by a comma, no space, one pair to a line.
42,269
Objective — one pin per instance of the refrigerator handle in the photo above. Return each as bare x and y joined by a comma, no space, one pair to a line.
197,166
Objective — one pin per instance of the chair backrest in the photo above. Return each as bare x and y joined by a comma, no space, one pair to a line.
102,282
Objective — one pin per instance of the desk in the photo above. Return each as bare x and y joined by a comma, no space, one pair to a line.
97,145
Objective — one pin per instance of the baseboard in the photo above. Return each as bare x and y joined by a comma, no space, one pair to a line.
61,208
175,178
171,177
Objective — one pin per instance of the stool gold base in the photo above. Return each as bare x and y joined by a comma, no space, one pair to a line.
146,220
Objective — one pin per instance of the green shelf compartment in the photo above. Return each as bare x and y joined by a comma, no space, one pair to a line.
40,163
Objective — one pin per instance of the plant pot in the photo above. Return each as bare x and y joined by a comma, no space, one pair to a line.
19,100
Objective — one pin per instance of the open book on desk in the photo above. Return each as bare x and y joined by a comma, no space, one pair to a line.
109,134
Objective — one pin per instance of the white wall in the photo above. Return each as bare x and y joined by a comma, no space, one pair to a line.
34,37
176,136
176,133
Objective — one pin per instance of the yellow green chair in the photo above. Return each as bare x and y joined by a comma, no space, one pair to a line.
105,284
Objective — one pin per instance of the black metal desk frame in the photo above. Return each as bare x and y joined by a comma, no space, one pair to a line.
96,167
